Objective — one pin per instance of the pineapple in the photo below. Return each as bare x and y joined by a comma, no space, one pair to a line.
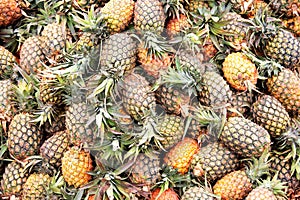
176,27
238,184
86,4
49,91
137,95
36,186
14,177
214,161
196,193
118,14
54,37
149,16
241,6
192,6
6,103
118,54
171,127
56,125
293,25
244,137
257,4
239,71
32,57
53,148
10,11
215,91
285,87
180,156
23,136
77,118
270,114
7,62
76,163
168,194
146,169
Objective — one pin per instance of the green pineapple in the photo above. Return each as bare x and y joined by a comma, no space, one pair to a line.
149,16
270,114
244,137
214,161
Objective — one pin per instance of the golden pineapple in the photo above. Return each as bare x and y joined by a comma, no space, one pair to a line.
10,11
53,148
285,87
149,16
168,194
270,114
118,14
193,5
32,57
14,177
244,137
23,136
7,62
36,186
76,163
214,161
146,169
137,96
239,71
180,156
171,127
118,54
175,27
238,184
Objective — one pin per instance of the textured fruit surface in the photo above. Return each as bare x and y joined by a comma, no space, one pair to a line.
168,194
195,193
261,194
36,186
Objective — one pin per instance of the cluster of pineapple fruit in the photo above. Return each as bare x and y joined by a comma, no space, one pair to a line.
149,99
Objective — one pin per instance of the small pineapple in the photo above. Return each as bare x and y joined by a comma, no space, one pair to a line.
14,177
149,15
176,26
214,161
137,95
168,194
239,71
118,54
118,14
180,156
238,184
76,163
7,62
196,193
32,57
270,114
245,137
23,136
53,148
192,6
285,87
146,169
10,11
36,186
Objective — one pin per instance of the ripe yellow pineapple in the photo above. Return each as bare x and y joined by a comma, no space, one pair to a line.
176,26
180,156
168,194
76,163
118,14
10,11
239,71
7,62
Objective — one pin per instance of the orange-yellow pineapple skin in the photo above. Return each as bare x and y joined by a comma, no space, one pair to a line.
10,11
233,186
238,69
76,163
176,25
180,156
168,194
261,193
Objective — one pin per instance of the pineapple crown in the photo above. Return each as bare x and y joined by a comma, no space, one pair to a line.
274,185
257,168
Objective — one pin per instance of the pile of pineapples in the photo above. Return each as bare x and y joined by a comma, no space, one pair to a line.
150,99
